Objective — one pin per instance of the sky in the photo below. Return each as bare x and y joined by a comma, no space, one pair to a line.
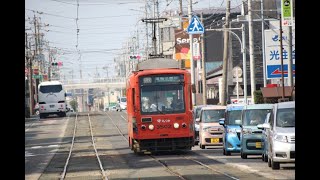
104,28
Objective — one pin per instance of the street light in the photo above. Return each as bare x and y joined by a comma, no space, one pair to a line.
243,50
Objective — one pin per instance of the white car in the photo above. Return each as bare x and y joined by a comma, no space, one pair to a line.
122,104
281,134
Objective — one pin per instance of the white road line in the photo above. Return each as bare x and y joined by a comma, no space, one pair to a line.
54,145
36,147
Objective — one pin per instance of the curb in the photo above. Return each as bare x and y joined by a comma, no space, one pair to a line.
34,118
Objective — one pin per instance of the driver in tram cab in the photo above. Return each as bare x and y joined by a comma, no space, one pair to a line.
156,106
176,103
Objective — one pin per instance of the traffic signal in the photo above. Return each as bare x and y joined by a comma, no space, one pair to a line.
57,63
135,57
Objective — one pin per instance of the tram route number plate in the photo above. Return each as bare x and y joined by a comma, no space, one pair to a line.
214,140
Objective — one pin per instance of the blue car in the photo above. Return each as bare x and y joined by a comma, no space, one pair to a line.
252,140
232,129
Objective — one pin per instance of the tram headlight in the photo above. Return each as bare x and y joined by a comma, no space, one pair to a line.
176,125
151,127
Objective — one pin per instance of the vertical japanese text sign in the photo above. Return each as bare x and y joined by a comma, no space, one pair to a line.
287,12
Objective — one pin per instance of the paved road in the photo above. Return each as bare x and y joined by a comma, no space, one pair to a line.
119,162
42,139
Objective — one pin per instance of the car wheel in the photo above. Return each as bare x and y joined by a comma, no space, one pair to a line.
243,155
265,158
42,116
228,153
269,162
202,146
275,165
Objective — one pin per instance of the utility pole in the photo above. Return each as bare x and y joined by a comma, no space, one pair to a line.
244,57
31,85
147,35
154,39
158,27
49,67
224,92
191,56
29,62
204,82
41,68
263,48
36,54
281,58
251,49
290,74
35,34
181,14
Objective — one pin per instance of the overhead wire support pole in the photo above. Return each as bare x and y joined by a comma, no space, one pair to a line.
290,73
244,55
181,14
191,56
224,91
154,21
281,58
147,39
251,52
204,82
263,48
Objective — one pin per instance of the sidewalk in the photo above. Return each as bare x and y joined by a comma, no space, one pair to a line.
32,118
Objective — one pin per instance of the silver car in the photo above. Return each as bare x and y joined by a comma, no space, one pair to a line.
281,134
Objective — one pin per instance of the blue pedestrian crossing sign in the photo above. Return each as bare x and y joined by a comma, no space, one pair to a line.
195,26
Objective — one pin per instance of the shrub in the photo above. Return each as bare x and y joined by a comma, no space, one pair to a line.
74,105
258,97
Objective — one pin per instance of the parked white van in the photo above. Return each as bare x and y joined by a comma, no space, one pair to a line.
52,99
281,134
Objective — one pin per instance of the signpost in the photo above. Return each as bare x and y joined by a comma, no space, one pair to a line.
273,63
195,26
287,12
196,51
237,73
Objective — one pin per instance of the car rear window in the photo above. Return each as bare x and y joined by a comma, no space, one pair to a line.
50,88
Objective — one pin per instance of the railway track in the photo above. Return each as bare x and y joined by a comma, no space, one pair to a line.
76,146
167,167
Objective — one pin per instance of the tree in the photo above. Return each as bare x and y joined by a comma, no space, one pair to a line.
74,105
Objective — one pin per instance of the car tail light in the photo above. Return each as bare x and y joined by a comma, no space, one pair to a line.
143,127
